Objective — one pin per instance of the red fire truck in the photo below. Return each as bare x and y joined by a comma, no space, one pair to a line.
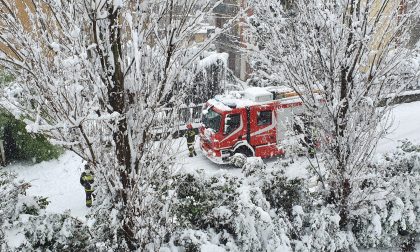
253,122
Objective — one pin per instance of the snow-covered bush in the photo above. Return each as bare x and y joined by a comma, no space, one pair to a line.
5,77
54,232
23,216
307,221
226,212
321,231
204,208
205,202
390,216
283,193
258,227
265,211
20,145
9,197
253,165
190,240
12,198
238,160
34,205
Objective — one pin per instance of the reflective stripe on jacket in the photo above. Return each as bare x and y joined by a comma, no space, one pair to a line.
86,180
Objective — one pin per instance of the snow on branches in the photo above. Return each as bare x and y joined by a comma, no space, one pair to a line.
343,58
95,75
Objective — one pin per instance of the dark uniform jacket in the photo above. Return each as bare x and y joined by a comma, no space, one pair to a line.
86,180
190,135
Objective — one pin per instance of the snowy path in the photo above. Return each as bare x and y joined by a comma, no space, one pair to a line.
59,179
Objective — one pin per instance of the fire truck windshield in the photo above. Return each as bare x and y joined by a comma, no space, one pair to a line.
212,119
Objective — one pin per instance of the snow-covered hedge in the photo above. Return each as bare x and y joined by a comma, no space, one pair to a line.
224,212
266,211
263,211
391,214
20,145
53,232
11,194
25,226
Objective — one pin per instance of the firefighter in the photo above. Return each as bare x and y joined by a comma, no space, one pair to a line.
304,126
86,180
190,135
309,136
2,155
309,142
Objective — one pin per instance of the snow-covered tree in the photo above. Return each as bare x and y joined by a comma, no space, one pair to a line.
93,76
210,78
343,58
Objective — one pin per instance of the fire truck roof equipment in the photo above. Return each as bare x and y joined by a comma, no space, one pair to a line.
253,96
258,94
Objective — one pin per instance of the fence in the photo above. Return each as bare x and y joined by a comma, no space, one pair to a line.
405,97
190,114
178,119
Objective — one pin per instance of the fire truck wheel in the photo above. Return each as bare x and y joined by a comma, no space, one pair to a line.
245,151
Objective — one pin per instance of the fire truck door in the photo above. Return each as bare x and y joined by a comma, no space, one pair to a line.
232,130
263,126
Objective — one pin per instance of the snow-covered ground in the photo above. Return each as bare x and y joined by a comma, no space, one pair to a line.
405,125
59,179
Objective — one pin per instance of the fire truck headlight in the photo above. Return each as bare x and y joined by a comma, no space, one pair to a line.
214,154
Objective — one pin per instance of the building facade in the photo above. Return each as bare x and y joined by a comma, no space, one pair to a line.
233,42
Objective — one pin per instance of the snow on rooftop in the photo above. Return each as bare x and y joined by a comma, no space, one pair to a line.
279,89
206,29
201,31
212,59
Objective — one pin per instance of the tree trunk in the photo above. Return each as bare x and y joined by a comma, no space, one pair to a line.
344,212
116,95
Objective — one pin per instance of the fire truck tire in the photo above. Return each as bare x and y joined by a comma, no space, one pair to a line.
245,151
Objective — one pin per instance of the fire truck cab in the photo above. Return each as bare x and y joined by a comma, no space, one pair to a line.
253,122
